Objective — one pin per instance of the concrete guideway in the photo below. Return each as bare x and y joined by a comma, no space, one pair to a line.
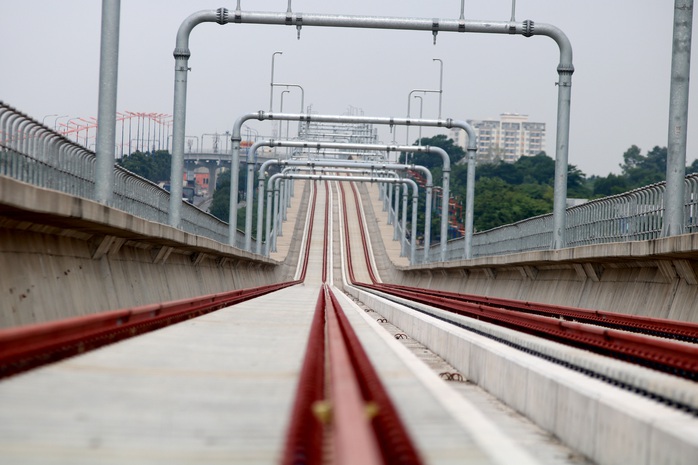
214,388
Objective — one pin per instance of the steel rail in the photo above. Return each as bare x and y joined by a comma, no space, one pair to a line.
679,330
324,237
669,356
354,441
304,438
30,346
392,437
364,424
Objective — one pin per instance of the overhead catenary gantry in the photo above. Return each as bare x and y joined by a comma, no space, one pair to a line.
447,123
375,147
373,179
325,170
526,28
285,193
335,164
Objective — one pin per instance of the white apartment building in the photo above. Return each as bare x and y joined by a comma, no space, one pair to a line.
509,138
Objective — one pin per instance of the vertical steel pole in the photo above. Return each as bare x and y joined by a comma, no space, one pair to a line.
444,212
413,231
561,156
260,214
678,118
469,204
441,82
395,212
106,112
271,82
180,115
403,236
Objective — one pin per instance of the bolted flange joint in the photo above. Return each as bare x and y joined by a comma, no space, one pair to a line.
222,16
528,28
181,53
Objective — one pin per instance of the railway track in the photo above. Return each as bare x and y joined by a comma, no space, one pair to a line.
342,409
652,343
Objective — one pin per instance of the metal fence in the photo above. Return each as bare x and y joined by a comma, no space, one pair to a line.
35,154
636,215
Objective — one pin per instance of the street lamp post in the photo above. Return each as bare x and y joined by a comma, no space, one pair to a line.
281,110
47,116
421,108
441,82
271,83
55,122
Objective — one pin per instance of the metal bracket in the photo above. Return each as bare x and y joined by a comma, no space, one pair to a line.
299,24
435,28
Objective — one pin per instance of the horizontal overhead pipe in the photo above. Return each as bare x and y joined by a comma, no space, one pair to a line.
340,145
323,177
526,28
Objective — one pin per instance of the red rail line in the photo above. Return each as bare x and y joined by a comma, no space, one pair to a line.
665,355
30,346
679,330
354,390
672,357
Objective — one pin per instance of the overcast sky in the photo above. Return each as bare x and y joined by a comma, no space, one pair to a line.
620,89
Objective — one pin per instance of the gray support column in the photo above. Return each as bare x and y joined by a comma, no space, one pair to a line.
674,202
260,214
106,111
267,247
444,212
249,202
396,208
403,237
413,229
282,201
275,217
469,206
390,203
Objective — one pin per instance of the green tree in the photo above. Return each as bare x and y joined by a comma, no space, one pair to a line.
431,160
220,205
641,170
154,166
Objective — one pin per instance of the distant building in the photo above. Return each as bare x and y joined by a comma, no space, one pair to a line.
509,138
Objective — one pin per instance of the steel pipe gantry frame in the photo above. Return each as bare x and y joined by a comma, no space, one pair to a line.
526,28
279,176
341,145
448,123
